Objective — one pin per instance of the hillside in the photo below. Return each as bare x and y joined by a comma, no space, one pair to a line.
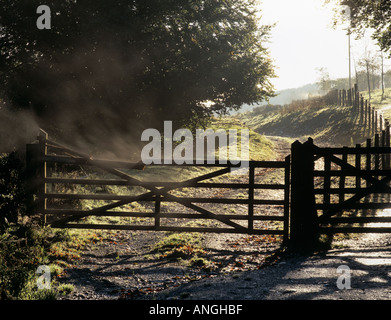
327,125
286,96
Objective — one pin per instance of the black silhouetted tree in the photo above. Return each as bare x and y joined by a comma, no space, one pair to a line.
368,14
127,65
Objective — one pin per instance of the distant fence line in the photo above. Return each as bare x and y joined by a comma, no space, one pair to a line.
370,119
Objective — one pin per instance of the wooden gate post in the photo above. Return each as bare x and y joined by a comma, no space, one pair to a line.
32,182
304,219
35,175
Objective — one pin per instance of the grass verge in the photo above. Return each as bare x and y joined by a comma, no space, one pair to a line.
23,248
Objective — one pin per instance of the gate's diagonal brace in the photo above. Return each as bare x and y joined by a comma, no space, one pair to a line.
187,203
156,191
359,195
376,183
153,190
362,174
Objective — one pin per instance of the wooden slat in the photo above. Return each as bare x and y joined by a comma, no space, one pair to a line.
177,215
151,197
137,165
338,191
165,228
164,184
360,219
345,206
351,173
331,230
93,162
341,151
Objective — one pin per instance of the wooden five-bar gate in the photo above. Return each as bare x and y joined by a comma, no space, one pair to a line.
322,191
340,190
58,173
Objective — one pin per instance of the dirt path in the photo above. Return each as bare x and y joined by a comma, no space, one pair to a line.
314,277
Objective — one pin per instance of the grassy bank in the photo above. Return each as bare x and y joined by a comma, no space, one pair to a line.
25,247
330,125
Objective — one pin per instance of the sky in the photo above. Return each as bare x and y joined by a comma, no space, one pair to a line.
303,40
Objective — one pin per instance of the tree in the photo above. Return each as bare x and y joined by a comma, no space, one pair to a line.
369,63
107,69
366,14
324,82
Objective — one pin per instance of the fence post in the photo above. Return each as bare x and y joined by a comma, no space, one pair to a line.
42,138
287,189
342,179
387,144
35,175
358,166
251,182
157,211
377,156
304,219
32,182
365,113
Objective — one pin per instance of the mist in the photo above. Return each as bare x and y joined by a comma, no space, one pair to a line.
89,102
17,128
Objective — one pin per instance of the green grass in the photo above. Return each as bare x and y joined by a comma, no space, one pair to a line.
178,246
24,247
260,147
328,124
378,103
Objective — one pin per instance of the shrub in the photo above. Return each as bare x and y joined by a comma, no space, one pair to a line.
22,249
12,194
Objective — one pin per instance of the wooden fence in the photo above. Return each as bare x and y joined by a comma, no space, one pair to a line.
368,117
50,165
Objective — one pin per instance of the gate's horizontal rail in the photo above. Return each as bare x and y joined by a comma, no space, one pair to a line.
331,230
163,215
162,199
163,184
362,150
352,173
357,206
166,228
359,219
136,165
346,190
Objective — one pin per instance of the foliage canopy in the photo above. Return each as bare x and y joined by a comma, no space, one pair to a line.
365,14
123,66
